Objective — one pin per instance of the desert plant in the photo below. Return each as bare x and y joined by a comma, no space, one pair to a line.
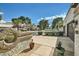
2,36
10,39
61,49
8,35
59,45
39,33
11,36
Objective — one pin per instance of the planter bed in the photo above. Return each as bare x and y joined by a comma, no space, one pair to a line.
15,46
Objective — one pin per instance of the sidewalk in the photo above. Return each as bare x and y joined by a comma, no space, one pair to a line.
44,46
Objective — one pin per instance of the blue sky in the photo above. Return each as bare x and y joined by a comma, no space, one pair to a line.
35,11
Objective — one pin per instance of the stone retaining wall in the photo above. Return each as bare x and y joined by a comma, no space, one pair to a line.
23,42
19,47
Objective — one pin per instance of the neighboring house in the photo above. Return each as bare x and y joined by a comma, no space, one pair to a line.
35,28
71,26
24,26
6,25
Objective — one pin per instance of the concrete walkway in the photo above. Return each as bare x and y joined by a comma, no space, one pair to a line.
44,46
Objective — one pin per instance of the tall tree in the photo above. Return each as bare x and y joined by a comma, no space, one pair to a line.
43,24
28,20
57,22
25,19
0,17
15,22
22,18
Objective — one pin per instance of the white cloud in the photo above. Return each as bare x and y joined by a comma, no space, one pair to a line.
39,19
1,13
2,21
50,18
8,21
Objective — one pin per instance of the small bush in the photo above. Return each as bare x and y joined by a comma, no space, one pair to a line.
61,52
55,33
48,33
10,39
39,33
60,33
59,45
61,49
8,35
1,36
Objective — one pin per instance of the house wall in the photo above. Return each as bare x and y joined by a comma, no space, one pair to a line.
69,16
76,18
67,23
72,21
71,24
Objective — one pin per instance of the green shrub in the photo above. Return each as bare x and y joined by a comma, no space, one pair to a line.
60,33
39,33
10,39
50,34
54,33
2,36
8,35
61,50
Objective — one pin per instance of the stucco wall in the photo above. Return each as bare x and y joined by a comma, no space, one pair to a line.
77,36
69,16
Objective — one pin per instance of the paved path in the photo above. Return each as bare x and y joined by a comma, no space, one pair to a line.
44,46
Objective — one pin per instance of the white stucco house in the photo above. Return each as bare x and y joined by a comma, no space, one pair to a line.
71,26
